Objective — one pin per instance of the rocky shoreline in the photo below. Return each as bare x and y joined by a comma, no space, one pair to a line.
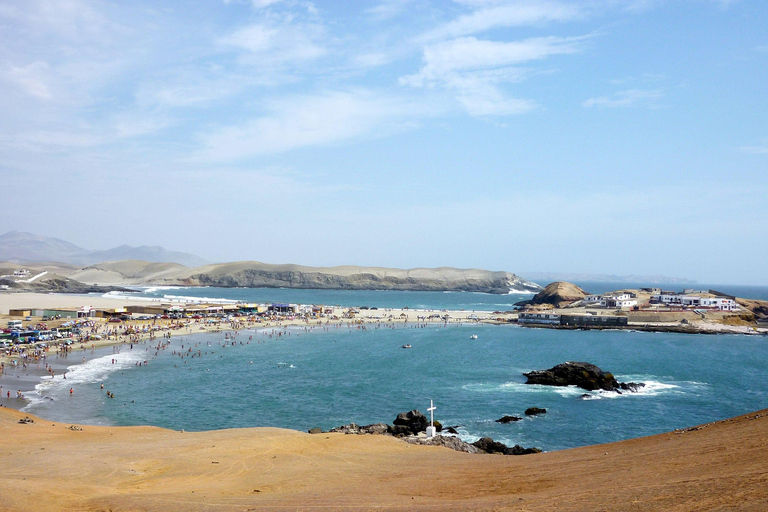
411,426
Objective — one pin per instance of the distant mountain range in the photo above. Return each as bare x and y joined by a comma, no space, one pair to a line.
604,278
22,247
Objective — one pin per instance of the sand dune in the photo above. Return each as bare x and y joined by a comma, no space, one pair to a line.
47,466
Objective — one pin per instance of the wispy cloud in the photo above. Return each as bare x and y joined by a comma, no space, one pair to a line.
756,150
315,120
476,69
629,98
31,79
281,42
511,14
390,8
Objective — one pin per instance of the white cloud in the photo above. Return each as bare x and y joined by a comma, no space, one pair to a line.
260,4
71,19
278,42
31,79
469,53
296,122
518,13
476,69
628,98
756,150
389,8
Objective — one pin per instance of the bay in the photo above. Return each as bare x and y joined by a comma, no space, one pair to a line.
336,375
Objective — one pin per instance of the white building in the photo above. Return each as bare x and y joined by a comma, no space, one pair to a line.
703,300
612,300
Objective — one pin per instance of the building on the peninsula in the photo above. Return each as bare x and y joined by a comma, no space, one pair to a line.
572,320
620,300
701,300
539,318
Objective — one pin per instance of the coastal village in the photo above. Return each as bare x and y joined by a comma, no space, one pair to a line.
566,305
563,305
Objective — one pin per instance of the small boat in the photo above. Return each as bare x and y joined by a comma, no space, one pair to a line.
473,337
407,346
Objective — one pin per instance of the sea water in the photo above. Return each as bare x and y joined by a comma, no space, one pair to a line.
328,376
467,301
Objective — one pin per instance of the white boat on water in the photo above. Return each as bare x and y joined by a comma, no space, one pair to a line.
407,346
473,337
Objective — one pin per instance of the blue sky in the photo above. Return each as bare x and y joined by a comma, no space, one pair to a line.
616,136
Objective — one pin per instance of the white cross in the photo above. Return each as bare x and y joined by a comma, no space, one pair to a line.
431,410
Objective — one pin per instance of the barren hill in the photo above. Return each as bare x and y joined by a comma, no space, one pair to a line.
252,274
256,274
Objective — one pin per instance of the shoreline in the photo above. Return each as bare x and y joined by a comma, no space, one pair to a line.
145,330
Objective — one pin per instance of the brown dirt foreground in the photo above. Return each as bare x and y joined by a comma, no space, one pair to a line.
47,466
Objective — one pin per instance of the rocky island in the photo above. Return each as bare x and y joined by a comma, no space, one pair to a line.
584,375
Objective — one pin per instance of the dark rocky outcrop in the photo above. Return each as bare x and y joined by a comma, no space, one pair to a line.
488,445
584,375
353,428
533,411
414,420
508,419
519,450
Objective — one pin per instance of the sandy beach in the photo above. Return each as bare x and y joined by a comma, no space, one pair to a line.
51,467
54,466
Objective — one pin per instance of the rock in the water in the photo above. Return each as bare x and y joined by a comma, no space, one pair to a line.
508,419
584,375
519,450
532,411
488,445
631,386
452,430
414,420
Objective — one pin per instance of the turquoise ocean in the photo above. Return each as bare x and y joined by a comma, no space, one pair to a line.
327,376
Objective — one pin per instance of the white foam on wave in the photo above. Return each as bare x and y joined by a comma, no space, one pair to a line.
651,388
520,387
91,371
515,291
209,300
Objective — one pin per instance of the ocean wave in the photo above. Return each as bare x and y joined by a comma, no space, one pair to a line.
651,388
208,300
521,387
91,371
515,291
